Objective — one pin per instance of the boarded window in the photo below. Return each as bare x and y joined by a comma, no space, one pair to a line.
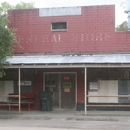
59,26
6,87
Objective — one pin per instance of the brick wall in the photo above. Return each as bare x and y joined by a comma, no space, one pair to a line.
93,31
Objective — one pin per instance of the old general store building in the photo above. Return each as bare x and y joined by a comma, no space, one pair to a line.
72,52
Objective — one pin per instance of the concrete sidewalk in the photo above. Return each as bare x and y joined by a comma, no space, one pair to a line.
62,114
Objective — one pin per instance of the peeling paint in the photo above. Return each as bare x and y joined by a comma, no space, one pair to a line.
59,38
54,39
61,11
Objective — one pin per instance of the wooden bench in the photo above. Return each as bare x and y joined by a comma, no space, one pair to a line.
4,103
27,99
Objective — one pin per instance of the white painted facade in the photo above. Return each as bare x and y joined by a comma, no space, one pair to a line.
60,11
106,88
6,87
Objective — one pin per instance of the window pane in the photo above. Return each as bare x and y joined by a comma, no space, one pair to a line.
59,26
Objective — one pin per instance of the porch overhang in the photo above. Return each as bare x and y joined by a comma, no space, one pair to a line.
71,66
70,61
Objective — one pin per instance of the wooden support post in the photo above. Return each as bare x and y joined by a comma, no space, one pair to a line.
85,90
19,77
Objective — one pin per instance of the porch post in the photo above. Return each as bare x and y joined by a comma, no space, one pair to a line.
19,91
60,90
85,90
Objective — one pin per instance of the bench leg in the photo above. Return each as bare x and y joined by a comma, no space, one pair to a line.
29,107
10,108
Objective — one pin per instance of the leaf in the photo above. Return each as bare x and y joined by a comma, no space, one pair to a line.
7,35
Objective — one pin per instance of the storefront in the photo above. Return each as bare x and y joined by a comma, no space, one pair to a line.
77,82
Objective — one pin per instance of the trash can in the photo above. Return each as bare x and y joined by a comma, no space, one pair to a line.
46,101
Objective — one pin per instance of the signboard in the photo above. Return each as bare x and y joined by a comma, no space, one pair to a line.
60,11
66,77
93,85
25,83
66,84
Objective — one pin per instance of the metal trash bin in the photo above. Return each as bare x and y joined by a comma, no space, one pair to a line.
46,101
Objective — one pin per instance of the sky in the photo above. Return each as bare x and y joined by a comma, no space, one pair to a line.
119,4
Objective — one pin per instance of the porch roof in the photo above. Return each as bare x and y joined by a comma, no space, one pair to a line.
71,60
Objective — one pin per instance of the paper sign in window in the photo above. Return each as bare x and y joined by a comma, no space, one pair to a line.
66,84
67,90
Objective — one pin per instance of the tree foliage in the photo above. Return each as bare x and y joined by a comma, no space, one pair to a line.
122,27
23,5
7,35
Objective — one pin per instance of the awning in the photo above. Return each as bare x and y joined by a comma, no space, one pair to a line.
60,61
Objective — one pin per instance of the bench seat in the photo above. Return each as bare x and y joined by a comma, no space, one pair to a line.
27,99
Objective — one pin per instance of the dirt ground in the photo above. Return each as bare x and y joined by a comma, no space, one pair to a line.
65,120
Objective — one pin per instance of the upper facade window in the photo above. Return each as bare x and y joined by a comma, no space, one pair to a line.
59,26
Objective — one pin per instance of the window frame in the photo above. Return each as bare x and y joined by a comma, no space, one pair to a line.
59,29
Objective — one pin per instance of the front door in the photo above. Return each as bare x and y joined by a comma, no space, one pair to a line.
52,85
68,90
62,86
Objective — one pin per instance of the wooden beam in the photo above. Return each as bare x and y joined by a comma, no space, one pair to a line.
9,104
107,105
108,96
9,95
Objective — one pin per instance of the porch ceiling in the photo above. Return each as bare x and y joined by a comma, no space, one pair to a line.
49,61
